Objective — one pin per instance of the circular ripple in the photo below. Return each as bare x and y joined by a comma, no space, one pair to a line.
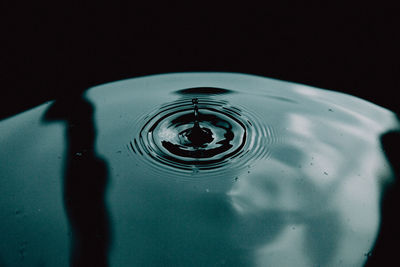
230,135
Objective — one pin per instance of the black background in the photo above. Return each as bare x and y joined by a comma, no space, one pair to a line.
50,50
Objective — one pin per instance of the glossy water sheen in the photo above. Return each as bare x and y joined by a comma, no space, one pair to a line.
229,137
292,175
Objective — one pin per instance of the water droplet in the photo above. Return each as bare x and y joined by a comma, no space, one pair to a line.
202,132
196,136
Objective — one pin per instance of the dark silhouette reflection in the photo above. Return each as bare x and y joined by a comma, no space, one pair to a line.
85,181
386,246
217,122
203,91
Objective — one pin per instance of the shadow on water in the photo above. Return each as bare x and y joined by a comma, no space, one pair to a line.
85,182
386,246
203,91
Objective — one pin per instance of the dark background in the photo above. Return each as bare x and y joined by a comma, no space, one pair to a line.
50,50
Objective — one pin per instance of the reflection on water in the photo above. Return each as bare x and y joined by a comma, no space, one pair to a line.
231,137
309,197
85,181
204,91
385,249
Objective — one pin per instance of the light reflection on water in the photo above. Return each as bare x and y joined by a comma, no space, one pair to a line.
313,200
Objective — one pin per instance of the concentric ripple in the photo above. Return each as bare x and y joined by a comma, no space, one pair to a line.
205,135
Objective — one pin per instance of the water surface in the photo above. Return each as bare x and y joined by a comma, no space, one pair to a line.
281,174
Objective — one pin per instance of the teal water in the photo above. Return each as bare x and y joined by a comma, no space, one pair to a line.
292,175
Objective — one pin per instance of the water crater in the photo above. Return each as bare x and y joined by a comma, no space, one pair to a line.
199,133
